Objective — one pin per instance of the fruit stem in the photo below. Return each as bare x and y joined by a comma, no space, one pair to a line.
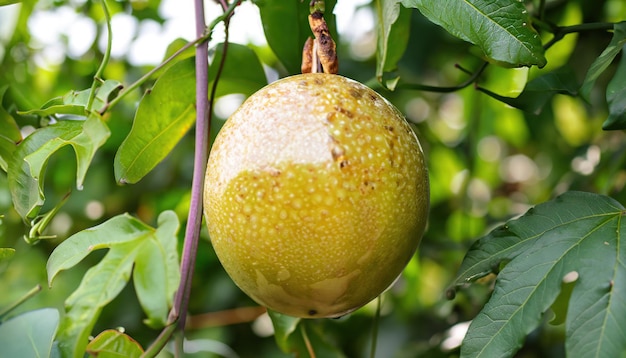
317,6
319,55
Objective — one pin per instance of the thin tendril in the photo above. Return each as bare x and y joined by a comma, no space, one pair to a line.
105,60
376,323
307,341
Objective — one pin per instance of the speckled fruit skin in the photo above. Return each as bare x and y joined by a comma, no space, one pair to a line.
316,195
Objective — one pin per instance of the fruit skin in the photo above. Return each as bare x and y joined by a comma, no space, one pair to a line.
316,195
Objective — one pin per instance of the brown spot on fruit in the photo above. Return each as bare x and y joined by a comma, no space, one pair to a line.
356,93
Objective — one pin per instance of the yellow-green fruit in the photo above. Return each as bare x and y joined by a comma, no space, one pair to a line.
316,195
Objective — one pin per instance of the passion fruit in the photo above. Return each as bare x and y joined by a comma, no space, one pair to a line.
316,195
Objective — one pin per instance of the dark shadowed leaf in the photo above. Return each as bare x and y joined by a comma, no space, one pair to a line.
501,28
575,233
114,344
30,159
616,97
164,115
393,34
242,71
29,334
604,60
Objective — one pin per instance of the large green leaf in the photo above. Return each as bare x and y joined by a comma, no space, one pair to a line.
500,28
616,97
241,73
393,34
576,234
29,161
286,28
165,114
117,230
100,285
604,60
126,238
29,334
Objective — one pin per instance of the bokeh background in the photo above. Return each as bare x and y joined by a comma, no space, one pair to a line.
488,163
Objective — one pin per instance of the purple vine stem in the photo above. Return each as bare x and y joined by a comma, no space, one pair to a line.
194,220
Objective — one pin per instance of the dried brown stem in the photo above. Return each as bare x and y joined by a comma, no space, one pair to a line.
319,55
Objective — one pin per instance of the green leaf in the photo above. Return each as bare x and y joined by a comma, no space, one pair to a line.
117,230
114,344
393,24
75,102
295,335
9,2
126,238
286,28
6,253
165,114
100,285
29,334
616,97
56,107
156,275
9,133
576,232
242,71
27,167
284,327
93,133
500,28
604,60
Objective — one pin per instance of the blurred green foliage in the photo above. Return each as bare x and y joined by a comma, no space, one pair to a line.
488,162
